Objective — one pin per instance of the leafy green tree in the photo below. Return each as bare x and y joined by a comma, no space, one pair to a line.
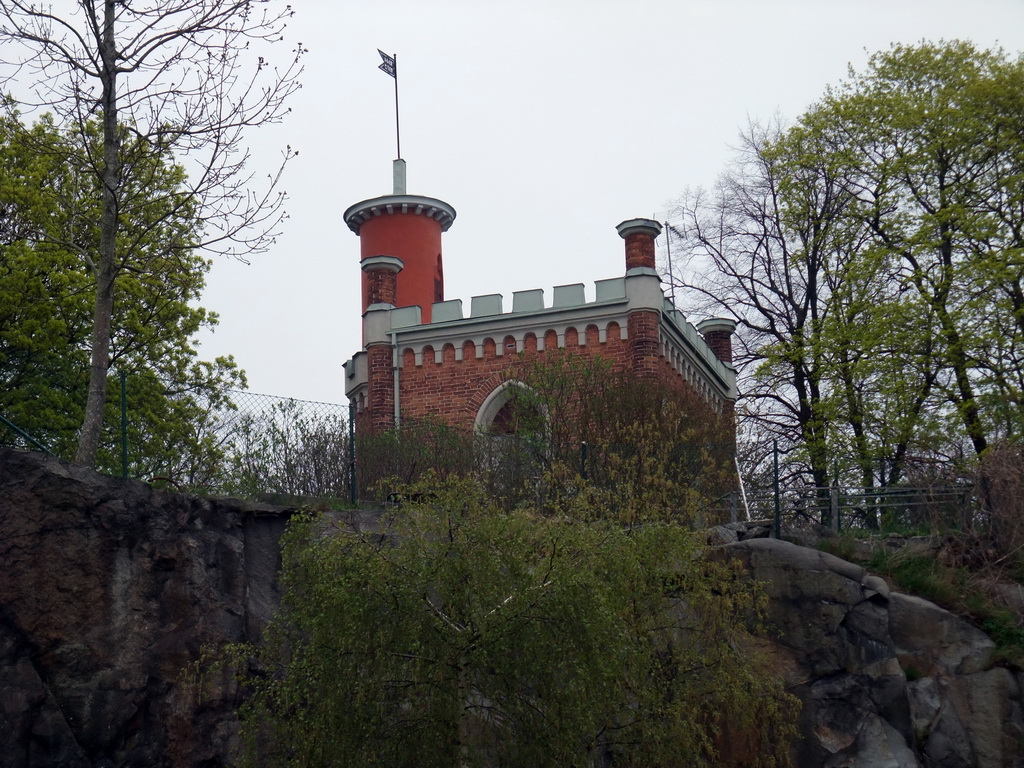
46,289
462,636
929,140
640,451
131,82
872,256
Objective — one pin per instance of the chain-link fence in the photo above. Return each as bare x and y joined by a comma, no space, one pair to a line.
231,442
284,448
209,441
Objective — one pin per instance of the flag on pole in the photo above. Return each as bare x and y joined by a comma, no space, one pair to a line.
388,65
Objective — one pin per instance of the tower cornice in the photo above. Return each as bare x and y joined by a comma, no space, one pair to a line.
388,205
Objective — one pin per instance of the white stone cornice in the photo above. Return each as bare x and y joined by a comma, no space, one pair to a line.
417,205
390,263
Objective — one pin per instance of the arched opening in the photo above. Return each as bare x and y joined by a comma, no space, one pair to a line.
508,411
512,430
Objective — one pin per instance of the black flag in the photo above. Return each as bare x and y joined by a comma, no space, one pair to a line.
389,65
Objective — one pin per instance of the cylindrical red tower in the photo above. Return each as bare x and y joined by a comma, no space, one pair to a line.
408,227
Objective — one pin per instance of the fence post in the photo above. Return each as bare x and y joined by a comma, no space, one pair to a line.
833,503
778,498
124,424
352,453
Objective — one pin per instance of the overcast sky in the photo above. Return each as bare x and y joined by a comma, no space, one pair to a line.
544,123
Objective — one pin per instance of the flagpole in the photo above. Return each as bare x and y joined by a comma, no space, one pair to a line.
398,132
389,66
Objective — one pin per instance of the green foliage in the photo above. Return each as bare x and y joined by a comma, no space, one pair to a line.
612,446
872,254
840,546
48,238
576,431
461,635
291,449
399,457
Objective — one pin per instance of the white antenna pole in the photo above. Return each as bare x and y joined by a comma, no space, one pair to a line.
668,256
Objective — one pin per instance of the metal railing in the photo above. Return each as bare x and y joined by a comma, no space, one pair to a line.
265,446
919,507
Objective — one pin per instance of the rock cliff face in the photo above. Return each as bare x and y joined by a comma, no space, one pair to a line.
887,680
109,590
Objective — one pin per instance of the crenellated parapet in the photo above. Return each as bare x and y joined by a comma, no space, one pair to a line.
425,355
535,325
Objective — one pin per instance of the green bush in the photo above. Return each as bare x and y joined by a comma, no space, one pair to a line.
462,635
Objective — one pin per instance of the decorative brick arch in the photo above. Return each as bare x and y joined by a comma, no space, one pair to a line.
494,402
485,388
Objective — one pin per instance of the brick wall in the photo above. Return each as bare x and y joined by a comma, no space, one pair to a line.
455,390
379,414
380,286
721,344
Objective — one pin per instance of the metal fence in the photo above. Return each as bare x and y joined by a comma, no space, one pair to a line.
227,442
277,448
844,508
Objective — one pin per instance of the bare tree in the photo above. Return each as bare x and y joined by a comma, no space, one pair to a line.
765,255
140,80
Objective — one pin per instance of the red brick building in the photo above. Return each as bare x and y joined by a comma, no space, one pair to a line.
423,355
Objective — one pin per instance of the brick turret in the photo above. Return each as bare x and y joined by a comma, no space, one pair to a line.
717,332
381,280
639,235
408,227
644,322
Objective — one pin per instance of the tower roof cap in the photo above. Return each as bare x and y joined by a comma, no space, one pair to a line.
645,226
388,205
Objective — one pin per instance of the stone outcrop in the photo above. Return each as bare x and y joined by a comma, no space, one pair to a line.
887,680
109,592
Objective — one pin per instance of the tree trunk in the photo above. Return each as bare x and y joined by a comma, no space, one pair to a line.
105,262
